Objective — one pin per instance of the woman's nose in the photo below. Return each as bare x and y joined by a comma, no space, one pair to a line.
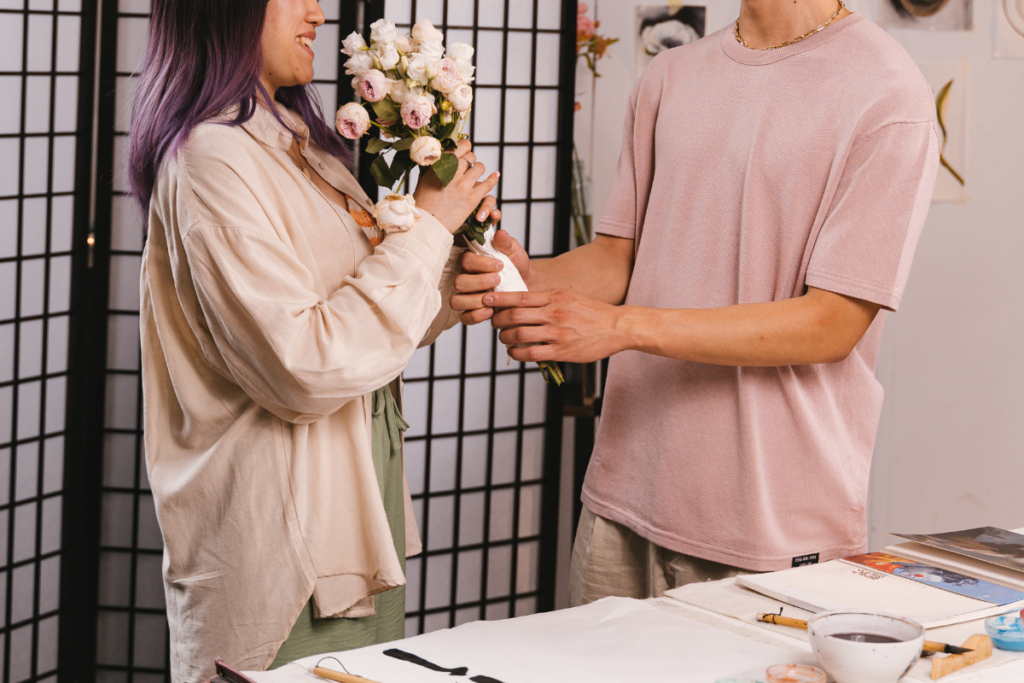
315,15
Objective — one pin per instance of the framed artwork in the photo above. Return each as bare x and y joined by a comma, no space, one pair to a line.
949,86
663,27
1010,29
934,15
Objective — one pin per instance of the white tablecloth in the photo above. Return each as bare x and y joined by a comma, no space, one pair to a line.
710,636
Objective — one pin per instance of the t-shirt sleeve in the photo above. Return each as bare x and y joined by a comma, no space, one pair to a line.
866,245
619,217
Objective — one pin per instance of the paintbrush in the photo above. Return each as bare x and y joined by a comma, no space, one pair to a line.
928,646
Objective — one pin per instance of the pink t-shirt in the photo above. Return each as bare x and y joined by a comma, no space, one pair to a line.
746,176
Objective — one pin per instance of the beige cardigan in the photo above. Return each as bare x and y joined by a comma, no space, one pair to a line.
266,325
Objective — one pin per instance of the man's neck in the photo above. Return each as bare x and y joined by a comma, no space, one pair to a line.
764,23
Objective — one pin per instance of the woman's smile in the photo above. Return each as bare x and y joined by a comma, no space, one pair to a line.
305,41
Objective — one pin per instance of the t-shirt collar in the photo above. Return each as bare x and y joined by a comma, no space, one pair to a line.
745,55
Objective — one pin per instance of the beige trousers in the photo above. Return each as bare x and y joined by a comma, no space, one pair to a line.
609,559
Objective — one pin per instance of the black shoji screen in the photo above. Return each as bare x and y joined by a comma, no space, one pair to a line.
482,454
45,100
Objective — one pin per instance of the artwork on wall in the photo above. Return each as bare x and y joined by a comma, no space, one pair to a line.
948,82
935,15
1010,29
663,27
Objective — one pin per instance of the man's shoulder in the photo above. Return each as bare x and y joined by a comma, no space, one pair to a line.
883,72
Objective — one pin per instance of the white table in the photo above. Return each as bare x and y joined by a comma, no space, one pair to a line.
710,636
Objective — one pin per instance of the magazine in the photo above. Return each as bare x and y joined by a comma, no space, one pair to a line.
938,577
988,544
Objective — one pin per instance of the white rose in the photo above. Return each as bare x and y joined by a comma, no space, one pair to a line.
352,44
432,49
462,54
374,86
417,110
352,121
447,76
461,98
421,69
425,151
667,35
383,31
359,63
426,31
404,44
386,56
396,213
398,91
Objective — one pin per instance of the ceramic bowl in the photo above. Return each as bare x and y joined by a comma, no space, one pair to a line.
850,661
1007,632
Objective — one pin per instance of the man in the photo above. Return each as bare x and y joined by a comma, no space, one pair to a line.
773,182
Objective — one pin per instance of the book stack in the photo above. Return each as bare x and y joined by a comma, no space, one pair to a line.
936,580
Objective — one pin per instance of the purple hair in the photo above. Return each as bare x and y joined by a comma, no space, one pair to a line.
202,57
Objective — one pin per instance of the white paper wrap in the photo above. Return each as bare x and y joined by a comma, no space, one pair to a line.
511,280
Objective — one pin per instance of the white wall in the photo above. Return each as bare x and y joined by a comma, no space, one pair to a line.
950,449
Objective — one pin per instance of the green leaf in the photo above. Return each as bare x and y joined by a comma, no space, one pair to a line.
446,167
381,172
448,144
404,143
386,110
400,164
446,131
376,146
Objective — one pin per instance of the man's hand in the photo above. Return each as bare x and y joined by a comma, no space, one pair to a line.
481,274
818,327
572,327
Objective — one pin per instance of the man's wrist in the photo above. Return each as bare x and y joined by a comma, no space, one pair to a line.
631,328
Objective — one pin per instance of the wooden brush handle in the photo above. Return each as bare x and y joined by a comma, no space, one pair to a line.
339,676
782,621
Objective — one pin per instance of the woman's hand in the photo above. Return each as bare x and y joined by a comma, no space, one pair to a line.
453,204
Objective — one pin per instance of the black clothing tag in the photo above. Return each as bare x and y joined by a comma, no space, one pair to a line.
804,560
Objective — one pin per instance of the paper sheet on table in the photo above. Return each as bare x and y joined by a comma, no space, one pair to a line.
610,641
732,600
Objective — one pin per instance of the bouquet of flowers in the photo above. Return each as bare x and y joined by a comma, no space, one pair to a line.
418,97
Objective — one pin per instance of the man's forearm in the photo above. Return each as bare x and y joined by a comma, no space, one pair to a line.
819,327
599,270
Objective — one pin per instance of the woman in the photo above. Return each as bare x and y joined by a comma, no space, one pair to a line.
272,340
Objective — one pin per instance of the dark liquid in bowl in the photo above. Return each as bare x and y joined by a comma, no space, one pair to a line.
865,637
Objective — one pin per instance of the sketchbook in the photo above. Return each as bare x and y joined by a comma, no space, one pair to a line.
837,585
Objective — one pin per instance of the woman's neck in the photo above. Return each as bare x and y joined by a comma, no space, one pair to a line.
764,23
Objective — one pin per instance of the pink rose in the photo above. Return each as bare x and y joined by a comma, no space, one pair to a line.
425,151
417,110
461,98
585,27
374,86
352,121
447,76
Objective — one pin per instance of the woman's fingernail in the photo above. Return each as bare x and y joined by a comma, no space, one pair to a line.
496,280
482,215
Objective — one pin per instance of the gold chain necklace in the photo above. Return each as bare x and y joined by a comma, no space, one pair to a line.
810,33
